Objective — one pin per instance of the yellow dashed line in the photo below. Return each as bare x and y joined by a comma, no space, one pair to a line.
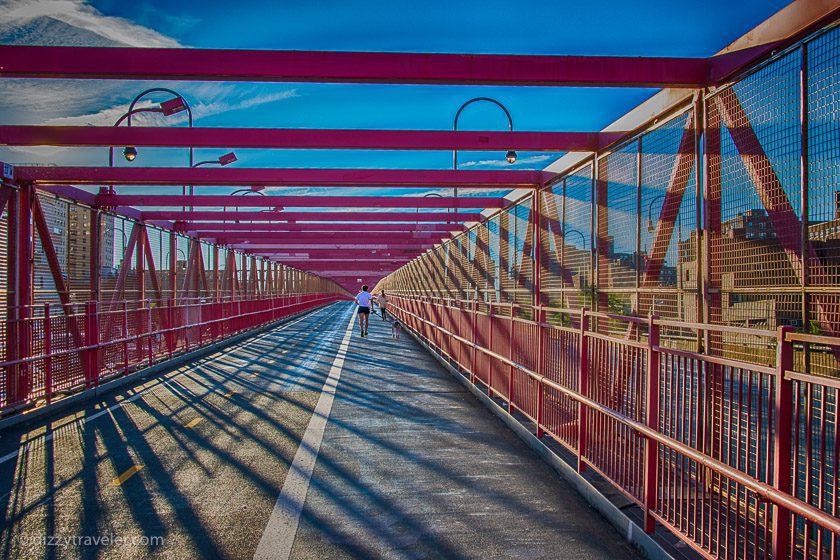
126,475
193,423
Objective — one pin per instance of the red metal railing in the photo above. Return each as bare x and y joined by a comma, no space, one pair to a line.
75,352
738,459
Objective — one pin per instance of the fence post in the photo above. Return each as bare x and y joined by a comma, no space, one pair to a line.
583,389
149,334
490,347
473,337
48,380
538,315
652,420
783,444
92,342
125,336
512,335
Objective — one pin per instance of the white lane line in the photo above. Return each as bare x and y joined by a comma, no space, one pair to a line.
29,444
279,534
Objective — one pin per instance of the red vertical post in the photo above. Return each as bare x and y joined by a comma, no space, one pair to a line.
783,444
92,342
140,253
490,346
95,254
173,268
48,377
473,339
511,346
652,421
583,389
538,316
12,327
24,296
125,335
216,284
149,329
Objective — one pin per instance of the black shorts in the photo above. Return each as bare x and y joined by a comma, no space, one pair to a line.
364,310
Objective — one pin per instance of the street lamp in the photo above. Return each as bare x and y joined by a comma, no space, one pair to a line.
222,160
167,108
510,156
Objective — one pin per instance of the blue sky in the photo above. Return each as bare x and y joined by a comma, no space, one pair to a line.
559,27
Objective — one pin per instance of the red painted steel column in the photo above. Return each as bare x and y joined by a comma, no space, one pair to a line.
48,374
92,341
783,444
11,303
24,295
652,421
95,254
173,268
490,346
583,388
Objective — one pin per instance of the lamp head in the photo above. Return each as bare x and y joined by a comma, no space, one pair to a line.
650,226
510,156
227,159
130,153
173,106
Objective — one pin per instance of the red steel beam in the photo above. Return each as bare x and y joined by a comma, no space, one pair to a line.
202,228
335,246
214,65
303,201
316,216
397,254
290,177
295,138
329,236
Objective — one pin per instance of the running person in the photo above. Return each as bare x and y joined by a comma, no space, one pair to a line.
382,299
363,300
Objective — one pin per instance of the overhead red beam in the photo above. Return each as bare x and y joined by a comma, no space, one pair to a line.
394,253
293,237
313,241
348,266
202,228
315,216
304,201
264,248
293,177
215,65
295,138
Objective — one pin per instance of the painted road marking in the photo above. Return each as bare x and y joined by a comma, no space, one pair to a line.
126,475
194,422
29,444
282,526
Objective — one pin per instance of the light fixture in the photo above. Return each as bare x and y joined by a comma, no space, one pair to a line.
227,159
510,156
650,225
130,153
173,106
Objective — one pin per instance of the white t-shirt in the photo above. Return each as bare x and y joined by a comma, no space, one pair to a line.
363,299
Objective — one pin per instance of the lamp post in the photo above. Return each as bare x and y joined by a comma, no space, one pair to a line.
510,156
567,231
222,160
426,196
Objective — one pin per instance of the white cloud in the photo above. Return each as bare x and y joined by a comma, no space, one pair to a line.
214,100
81,15
503,163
